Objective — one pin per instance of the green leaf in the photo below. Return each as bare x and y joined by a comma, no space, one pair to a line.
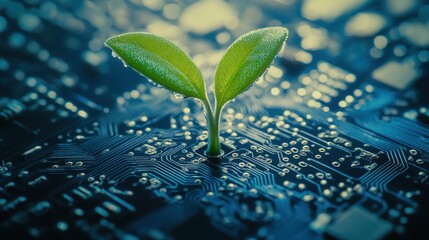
245,61
161,61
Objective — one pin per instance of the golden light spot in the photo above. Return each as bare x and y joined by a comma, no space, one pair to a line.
82,114
301,92
369,88
275,91
349,99
306,80
134,94
357,92
223,37
380,42
285,85
275,72
316,94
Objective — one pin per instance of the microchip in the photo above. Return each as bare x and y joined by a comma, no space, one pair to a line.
329,10
358,223
416,33
395,74
365,24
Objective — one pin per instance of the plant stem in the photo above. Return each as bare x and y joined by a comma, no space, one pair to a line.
213,148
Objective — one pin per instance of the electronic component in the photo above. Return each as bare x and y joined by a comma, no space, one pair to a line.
395,74
358,223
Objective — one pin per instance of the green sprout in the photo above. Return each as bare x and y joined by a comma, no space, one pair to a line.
166,64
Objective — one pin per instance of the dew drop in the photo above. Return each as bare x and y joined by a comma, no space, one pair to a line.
153,83
178,95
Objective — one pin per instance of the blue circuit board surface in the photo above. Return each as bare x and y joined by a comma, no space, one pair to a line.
332,142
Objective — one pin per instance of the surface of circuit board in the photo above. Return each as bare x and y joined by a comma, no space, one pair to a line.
332,142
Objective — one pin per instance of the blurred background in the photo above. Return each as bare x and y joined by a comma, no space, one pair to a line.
61,42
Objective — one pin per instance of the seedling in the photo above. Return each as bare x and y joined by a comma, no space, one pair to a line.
166,64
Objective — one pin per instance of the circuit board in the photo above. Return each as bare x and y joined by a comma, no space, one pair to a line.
331,142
